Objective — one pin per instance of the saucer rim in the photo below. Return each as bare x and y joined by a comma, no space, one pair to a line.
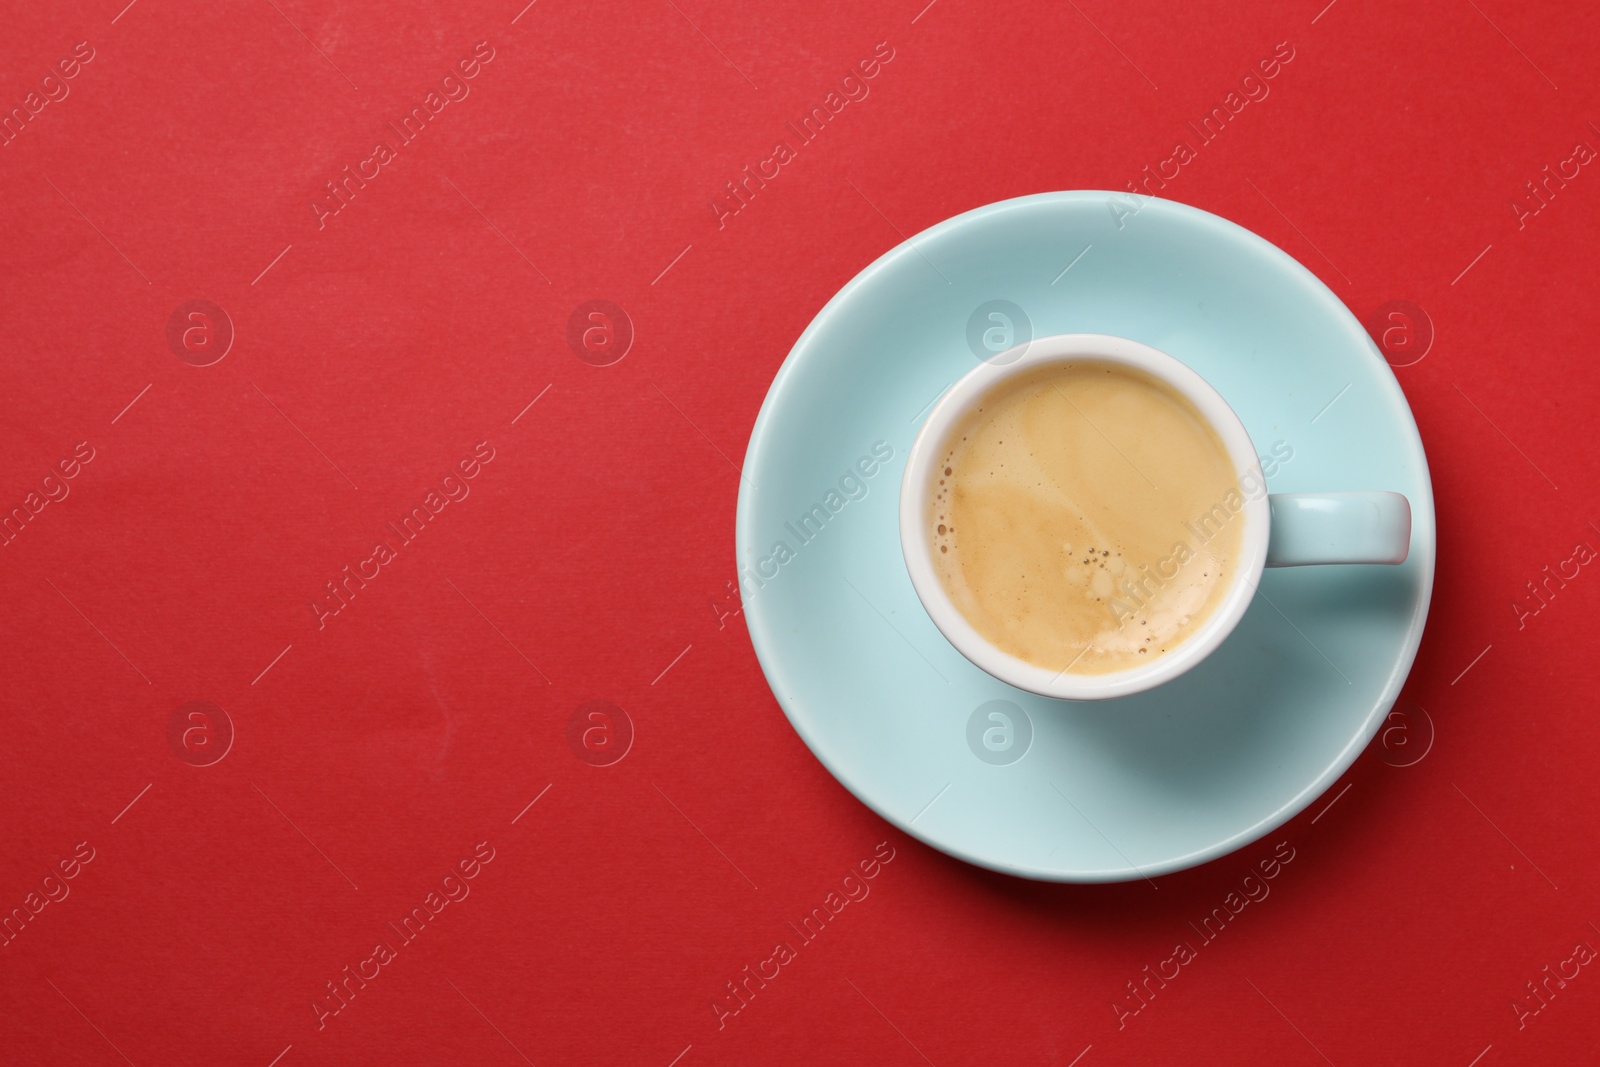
766,646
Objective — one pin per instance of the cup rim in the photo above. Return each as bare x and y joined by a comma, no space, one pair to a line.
916,487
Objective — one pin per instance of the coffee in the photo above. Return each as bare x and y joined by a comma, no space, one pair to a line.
1086,517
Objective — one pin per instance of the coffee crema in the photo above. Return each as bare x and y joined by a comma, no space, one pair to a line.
1086,517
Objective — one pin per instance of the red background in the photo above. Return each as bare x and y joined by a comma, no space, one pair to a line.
373,754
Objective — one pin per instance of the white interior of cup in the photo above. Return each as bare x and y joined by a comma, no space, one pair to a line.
917,486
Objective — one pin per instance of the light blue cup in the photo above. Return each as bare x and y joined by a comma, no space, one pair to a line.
1279,530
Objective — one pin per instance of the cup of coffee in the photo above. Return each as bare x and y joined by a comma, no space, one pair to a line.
1084,517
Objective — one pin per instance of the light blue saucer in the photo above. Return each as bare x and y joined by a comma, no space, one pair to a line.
1119,789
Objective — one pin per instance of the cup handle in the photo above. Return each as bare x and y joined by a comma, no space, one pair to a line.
1311,528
